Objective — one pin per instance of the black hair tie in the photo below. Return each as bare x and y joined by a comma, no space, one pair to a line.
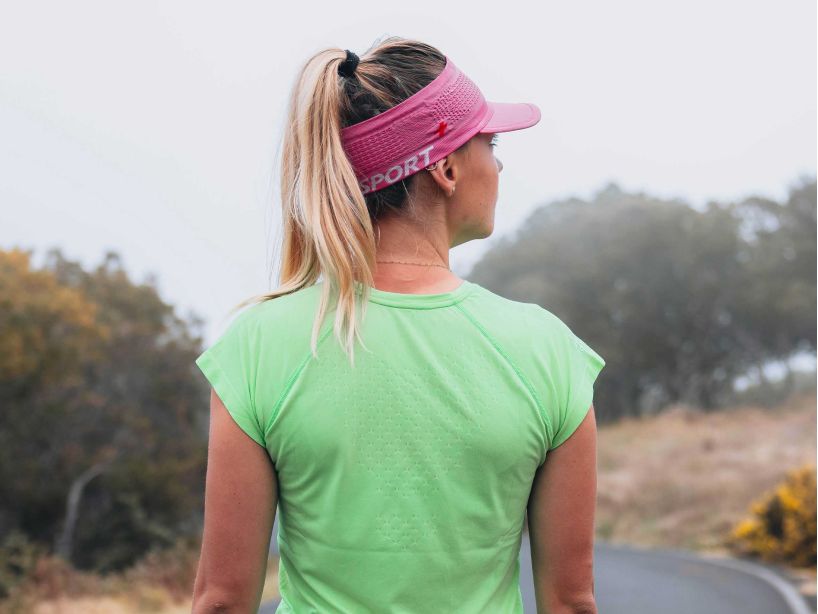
348,66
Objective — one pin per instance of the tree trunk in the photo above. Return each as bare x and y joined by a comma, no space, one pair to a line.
63,543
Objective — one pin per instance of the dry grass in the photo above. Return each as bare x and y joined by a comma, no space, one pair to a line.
683,478
137,598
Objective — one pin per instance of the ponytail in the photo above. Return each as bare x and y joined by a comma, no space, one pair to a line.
327,222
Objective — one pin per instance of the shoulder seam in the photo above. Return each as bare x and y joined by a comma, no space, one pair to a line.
540,409
291,382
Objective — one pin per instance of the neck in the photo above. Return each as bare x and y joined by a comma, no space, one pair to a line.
399,240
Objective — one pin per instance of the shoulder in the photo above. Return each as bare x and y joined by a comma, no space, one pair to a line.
515,317
280,310
282,322
484,299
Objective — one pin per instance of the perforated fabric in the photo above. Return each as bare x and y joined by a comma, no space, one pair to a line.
458,100
403,481
418,131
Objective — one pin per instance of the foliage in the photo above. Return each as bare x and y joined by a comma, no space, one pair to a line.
18,559
160,578
173,569
782,527
99,391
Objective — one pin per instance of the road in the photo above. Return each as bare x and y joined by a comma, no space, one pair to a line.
632,581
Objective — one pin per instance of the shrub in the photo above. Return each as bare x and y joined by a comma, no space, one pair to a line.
29,575
171,569
782,525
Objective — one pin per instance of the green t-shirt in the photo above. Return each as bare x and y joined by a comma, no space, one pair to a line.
403,482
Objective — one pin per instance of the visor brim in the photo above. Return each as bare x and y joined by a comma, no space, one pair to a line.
509,116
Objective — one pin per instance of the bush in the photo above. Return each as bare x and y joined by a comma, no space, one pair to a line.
782,527
172,569
18,559
29,575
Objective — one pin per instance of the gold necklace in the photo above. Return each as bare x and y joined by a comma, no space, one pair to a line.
378,228
417,263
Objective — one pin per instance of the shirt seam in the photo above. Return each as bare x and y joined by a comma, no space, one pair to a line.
450,302
248,410
377,302
291,382
540,408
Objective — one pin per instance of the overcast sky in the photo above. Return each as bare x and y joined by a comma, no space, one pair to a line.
150,128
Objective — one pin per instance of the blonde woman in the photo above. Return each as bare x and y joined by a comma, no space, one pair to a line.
402,420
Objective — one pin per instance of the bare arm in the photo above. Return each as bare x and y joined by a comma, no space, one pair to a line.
241,495
561,511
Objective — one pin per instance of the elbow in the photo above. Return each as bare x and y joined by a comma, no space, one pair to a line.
203,605
210,603
224,597
583,606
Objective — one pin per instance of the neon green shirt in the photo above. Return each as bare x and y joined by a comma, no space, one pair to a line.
403,482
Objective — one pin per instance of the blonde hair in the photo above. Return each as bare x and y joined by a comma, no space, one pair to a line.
327,221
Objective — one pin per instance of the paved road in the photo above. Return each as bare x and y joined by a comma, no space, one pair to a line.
633,581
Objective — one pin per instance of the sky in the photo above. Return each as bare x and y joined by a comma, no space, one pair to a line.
151,128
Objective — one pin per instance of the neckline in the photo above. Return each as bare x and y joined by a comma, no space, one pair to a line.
421,301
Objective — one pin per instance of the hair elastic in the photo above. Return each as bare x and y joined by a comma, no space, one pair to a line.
348,66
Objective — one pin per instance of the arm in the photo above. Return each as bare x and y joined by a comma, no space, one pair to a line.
241,495
561,524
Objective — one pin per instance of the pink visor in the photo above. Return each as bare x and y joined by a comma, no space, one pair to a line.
426,127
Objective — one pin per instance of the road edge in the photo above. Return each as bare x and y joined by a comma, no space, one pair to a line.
791,595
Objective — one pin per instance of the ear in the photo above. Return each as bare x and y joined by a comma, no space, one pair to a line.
447,172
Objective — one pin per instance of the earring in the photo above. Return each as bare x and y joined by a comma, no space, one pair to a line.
452,192
431,167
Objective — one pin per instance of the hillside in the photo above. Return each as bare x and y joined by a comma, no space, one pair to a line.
682,479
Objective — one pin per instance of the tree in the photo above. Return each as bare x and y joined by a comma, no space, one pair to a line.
104,418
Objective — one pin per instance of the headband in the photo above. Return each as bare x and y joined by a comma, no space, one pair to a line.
426,127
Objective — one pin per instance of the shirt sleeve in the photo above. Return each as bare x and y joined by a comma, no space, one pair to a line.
578,371
230,366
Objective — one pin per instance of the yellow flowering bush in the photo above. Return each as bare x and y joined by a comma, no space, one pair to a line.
782,525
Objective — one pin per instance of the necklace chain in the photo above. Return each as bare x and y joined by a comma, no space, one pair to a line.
445,266
417,263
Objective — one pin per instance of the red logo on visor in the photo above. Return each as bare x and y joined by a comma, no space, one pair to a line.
441,129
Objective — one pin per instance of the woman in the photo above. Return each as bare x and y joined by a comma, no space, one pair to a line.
403,473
